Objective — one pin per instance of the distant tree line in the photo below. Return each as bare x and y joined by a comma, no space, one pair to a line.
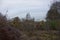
52,20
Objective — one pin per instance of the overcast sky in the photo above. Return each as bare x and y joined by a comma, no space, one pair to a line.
37,8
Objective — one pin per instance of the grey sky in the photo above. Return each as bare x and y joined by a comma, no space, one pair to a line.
37,8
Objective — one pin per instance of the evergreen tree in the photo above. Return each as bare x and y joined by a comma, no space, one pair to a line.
53,16
53,13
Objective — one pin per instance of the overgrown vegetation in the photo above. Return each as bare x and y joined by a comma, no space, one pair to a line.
15,29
